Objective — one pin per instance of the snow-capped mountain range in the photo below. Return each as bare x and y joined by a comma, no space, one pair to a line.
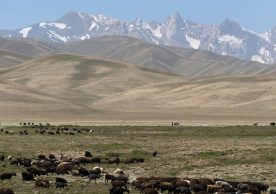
227,38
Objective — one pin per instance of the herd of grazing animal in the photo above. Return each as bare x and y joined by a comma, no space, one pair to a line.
51,130
34,169
120,183
176,185
43,166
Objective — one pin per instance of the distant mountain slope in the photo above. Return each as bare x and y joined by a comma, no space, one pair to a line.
9,59
71,88
75,77
186,62
227,38
220,99
26,47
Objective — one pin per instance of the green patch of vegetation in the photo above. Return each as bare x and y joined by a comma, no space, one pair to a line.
211,154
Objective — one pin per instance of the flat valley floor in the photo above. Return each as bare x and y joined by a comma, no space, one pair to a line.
233,153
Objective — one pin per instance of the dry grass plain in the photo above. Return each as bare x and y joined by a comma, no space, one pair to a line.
236,153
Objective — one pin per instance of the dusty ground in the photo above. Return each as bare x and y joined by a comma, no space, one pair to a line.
236,153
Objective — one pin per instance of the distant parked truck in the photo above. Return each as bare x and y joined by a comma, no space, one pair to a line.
272,124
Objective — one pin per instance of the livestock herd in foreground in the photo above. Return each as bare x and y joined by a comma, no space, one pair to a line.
37,171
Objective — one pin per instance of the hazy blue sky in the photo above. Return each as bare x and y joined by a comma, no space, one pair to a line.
257,15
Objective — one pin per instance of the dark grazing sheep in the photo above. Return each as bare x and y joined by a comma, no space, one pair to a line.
109,177
260,186
140,160
154,154
247,188
118,190
151,191
118,183
15,161
83,172
61,180
60,185
83,160
120,178
42,183
95,160
204,182
51,169
136,184
96,170
2,157
114,161
43,164
182,190
94,177
26,176
6,191
26,162
181,183
36,171
150,184
87,154
134,160
272,191
42,157
130,160
166,186
52,157
203,192
197,188
7,176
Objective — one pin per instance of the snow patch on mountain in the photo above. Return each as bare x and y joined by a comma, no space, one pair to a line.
81,16
93,25
230,39
257,58
55,36
87,36
194,43
157,32
25,32
60,26
266,36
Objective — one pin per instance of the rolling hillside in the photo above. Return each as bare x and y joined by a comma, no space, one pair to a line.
186,62
9,59
26,47
66,87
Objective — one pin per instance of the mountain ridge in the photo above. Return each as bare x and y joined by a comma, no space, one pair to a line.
228,38
186,62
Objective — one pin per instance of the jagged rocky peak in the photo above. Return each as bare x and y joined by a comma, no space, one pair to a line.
227,38
232,28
